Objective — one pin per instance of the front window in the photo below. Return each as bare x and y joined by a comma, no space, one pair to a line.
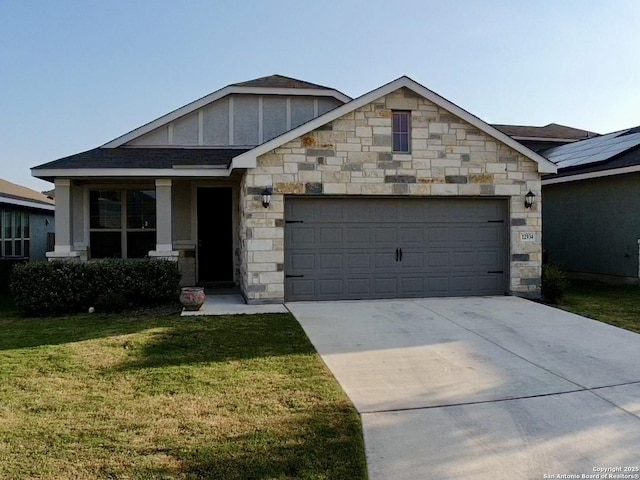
15,234
122,223
401,129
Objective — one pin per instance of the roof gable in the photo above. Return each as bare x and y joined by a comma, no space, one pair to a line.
249,159
273,85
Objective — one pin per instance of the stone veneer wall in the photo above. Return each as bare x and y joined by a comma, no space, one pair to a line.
353,156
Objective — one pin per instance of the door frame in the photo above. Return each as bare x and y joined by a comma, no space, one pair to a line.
234,221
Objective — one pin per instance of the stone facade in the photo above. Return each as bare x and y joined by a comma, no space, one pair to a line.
353,156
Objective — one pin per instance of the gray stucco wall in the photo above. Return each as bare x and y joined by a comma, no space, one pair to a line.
593,226
40,225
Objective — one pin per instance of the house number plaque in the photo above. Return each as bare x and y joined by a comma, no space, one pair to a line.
527,237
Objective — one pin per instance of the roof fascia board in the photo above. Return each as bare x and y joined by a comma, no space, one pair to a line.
26,203
589,175
212,97
182,171
249,159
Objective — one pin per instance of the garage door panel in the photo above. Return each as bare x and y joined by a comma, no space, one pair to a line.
302,237
330,286
357,236
359,260
302,261
383,235
299,287
346,248
358,286
330,236
385,286
330,261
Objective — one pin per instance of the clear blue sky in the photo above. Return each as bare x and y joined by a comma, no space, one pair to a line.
76,74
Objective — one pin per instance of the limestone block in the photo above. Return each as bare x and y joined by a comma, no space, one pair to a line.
420,189
377,189
437,127
385,130
344,125
348,147
259,245
336,177
444,189
354,189
364,131
276,256
310,177
495,168
335,188
269,160
296,188
395,103
481,178
420,133
507,190
290,167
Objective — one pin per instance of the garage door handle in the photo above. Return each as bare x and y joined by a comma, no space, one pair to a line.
495,271
293,276
397,254
400,254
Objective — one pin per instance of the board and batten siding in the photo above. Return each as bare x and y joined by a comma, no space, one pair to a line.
238,120
352,155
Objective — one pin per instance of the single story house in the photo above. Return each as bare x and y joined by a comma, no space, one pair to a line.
294,191
591,221
26,226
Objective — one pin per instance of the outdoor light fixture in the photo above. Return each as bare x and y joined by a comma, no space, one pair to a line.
266,196
529,199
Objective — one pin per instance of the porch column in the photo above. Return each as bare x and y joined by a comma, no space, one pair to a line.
164,240
64,222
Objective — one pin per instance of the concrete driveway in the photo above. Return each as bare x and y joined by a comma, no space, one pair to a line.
482,388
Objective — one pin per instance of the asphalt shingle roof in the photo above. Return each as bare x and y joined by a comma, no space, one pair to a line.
551,131
279,81
146,158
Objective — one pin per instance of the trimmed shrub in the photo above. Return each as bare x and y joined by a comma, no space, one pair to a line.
52,288
111,303
554,283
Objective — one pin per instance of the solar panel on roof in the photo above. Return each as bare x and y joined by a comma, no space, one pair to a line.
594,150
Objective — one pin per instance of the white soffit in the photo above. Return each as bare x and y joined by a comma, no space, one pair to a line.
248,159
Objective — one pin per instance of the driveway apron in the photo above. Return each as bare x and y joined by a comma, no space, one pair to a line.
482,387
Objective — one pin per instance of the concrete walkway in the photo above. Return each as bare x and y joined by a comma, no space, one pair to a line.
482,388
232,304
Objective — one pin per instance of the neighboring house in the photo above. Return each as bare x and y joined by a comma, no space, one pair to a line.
541,138
26,221
294,191
591,221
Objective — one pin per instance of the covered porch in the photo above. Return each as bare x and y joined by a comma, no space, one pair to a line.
193,221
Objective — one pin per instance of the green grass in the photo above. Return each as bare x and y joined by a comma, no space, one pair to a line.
142,397
618,305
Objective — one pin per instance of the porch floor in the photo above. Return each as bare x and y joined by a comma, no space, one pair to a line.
232,304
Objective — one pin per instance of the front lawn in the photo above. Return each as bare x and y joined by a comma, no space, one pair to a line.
618,305
142,397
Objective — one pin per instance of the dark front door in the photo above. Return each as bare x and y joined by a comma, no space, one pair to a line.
215,235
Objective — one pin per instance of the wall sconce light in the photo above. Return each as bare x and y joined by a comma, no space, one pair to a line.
529,199
266,196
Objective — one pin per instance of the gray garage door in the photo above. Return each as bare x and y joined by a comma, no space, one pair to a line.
338,248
